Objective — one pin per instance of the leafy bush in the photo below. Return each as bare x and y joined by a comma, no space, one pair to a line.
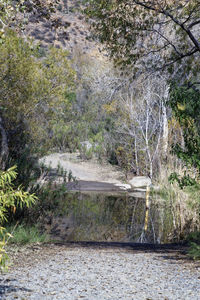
35,93
194,251
10,198
24,234
49,198
194,240
194,237
185,103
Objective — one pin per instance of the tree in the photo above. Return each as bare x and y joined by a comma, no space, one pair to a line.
153,35
98,83
185,104
35,92
144,123
159,33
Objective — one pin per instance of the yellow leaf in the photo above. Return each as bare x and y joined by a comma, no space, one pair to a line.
181,106
14,209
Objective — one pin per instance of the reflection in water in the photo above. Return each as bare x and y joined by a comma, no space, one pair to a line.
103,217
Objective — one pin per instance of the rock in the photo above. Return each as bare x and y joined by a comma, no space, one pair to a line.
86,144
123,186
140,181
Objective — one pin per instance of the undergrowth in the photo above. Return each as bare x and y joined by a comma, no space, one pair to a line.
26,234
179,211
194,241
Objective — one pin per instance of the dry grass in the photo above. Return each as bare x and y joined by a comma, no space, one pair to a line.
183,205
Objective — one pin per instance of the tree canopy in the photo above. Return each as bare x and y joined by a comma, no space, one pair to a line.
161,33
35,91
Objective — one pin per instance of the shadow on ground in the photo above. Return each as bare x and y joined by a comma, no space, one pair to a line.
8,286
176,252
130,246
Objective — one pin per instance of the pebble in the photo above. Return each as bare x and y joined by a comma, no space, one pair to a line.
101,274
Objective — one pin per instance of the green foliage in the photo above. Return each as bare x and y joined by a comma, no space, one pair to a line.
124,155
19,77
10,198
7,14
4,236
183,181
86,153
29,170
26,234
66,134
194,251
185,104
35,93
179,211
126,26
49,198
194,237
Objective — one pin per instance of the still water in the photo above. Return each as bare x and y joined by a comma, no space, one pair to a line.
121,217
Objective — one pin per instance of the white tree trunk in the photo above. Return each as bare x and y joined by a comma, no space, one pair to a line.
165,131
136,156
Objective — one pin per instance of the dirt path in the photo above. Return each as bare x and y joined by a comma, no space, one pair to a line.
90,174
73,272
89,170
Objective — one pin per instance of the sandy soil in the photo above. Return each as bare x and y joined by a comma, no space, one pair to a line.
89,170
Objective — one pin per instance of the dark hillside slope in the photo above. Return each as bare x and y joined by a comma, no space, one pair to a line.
64,28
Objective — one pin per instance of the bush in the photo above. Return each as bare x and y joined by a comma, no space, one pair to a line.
194,240
10,198
35,93
24,234
194,251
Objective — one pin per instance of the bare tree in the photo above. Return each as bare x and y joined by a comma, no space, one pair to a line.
144,118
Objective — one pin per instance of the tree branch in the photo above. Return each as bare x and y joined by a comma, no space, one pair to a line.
178,58
168,14
4,25
193,24
4,146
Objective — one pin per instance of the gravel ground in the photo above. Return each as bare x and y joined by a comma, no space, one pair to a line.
68,272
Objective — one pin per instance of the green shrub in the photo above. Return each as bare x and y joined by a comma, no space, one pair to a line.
194,240
10,198
194,237
24,234
194,251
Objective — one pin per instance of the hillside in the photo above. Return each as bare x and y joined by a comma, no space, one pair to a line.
65,27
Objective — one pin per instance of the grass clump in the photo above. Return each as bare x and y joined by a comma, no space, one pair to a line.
194,250
24,234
